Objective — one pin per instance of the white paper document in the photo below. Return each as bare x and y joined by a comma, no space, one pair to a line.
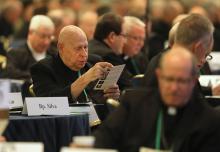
215,62
209,80
111,77
15,100
4,90
21,147
88,108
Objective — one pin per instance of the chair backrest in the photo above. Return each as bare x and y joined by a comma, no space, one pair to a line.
137,80
31,90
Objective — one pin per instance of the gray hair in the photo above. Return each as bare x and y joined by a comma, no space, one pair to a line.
38,21
192,29
130,22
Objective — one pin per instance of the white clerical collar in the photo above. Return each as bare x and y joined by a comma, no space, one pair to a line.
126,57
37,56
171,111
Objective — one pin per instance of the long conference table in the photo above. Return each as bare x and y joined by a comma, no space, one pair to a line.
54,131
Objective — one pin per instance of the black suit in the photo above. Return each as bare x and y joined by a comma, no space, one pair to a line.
108,55
51,77
195,127
6,30
137,64
99,48
19,62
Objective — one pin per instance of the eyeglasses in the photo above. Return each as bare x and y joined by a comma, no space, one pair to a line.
209,57
136,38
44,36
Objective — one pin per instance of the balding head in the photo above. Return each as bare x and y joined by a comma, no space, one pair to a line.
70,33
73,47
181,58
177,76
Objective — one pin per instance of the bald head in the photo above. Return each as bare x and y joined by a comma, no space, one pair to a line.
73,47
70,33
179,58
176,77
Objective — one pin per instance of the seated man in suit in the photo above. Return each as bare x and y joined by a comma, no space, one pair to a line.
69,74
134,30
36,47
195,33
108,43
19,60
172,117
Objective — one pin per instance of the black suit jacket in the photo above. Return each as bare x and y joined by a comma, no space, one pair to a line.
51,77
133,124
108,55
137,64
19,62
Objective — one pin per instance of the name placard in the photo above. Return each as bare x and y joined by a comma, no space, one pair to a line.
4,90
21,146
36,106
15,100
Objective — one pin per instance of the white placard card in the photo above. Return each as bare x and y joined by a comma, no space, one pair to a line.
15,100
66,149
4,90
21,147
36,106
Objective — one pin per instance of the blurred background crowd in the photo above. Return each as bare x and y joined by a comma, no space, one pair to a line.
158,16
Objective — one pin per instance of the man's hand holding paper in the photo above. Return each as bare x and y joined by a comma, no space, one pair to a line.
108,83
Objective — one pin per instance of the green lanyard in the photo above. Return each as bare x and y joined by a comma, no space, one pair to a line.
158,131
84,91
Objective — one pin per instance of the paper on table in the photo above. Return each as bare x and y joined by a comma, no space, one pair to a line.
15,100
209,80
215,62
87,108
111,77
21,147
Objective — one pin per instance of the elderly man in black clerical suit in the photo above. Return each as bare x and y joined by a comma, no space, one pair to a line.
134,30
172,117
20,59
69,74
